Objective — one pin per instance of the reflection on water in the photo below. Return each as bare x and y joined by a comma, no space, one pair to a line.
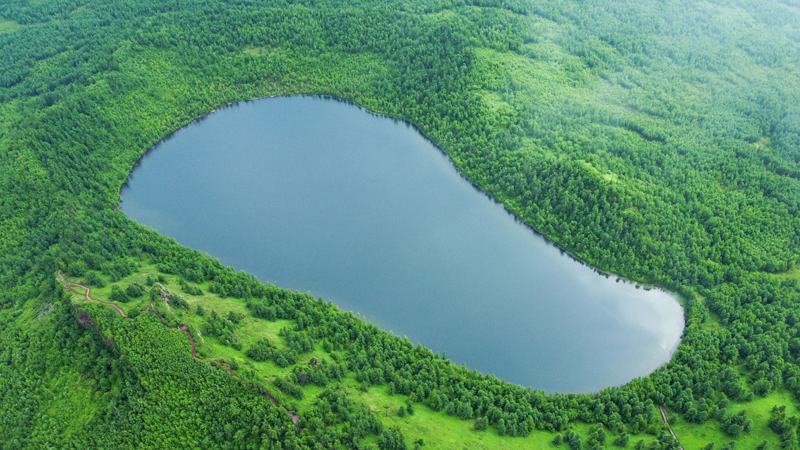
316,194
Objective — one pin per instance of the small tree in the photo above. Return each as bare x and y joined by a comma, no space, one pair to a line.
392,439
118,295
134,291
94,279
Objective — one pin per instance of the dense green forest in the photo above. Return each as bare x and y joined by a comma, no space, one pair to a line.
656,140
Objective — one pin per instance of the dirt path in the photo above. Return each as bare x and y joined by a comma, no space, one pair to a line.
185,329
148,306
295,417
158,313
71,285
664,416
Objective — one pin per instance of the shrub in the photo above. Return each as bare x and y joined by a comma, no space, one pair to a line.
261,351
134,291
118,295
94,279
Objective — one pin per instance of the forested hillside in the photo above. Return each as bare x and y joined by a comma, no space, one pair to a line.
656,140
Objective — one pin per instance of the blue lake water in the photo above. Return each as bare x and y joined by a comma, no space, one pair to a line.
319,195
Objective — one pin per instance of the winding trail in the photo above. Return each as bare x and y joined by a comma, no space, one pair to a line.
71,285
664,416
148,306
185,329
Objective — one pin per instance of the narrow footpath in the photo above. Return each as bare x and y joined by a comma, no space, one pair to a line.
71,285
664,416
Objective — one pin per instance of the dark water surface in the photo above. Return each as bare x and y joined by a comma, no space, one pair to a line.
316,194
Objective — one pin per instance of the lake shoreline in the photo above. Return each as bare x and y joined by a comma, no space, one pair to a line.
639,283
309,193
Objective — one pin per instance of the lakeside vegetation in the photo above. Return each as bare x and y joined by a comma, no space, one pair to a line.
658,141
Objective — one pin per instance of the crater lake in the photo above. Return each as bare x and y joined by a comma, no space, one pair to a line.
316,194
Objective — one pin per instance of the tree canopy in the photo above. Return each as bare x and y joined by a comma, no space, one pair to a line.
657,140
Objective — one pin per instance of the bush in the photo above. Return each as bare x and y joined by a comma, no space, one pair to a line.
597,435
261,351
736,424
93,279
622,440
178,301
78,269
762,387
573,440
118,295
134,291
191,289
392,439
289,388
262,310
234,317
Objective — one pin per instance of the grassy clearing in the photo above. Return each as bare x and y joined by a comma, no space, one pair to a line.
73,400
8,26
438,430
254,51
694,436
791,274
